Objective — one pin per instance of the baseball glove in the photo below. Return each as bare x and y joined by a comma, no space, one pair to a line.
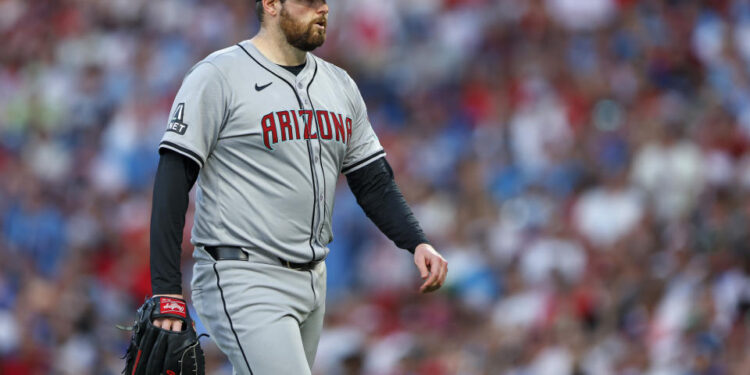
154,350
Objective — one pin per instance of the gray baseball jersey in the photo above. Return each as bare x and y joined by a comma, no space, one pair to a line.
271,146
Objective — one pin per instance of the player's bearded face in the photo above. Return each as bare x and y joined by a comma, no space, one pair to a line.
306,36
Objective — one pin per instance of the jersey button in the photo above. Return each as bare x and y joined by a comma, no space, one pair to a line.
320,197
315,159
300,85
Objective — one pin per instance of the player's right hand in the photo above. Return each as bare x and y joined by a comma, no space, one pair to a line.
169,324
432,267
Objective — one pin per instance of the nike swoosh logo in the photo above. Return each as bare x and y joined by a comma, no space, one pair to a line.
258,88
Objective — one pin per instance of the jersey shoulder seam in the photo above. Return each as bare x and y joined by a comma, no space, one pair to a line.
229,96
213,57
218,69
352,89
332,66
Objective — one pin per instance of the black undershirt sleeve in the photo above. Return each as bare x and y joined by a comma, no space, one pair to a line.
175,176
381,199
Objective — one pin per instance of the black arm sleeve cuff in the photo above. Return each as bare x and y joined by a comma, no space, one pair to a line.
175,177
379,196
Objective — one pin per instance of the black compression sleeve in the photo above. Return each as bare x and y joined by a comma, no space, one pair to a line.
379,196
175,177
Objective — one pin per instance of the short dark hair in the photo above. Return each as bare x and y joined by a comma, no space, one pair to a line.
259,9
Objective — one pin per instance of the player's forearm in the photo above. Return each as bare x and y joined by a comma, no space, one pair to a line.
381,199
175,177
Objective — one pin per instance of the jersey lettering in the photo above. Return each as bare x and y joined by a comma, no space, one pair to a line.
338,124
296,124
348,128
280,122
324,123
269,129
285,125
308,121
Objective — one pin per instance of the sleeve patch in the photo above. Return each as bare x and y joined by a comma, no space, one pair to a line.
176,123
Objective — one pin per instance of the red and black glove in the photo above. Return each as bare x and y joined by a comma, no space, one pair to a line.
154,350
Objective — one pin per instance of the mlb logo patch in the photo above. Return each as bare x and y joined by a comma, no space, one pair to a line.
175,123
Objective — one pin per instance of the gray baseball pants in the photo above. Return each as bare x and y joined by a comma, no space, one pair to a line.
265,317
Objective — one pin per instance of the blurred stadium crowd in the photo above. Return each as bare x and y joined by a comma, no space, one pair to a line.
584,165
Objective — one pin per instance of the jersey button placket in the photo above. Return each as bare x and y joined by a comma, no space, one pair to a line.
302,94
316,160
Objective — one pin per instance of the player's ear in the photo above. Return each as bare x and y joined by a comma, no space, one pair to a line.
271,7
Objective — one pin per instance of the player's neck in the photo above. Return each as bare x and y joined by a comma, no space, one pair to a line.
275,48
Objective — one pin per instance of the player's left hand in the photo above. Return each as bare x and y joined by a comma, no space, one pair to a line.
432,267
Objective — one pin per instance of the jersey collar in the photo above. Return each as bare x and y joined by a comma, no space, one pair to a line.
303,77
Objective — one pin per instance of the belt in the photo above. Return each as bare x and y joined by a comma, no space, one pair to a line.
236,253
226,253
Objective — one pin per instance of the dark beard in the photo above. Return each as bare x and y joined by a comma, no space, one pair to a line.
301,36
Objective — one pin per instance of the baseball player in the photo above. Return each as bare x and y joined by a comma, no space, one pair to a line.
266,127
